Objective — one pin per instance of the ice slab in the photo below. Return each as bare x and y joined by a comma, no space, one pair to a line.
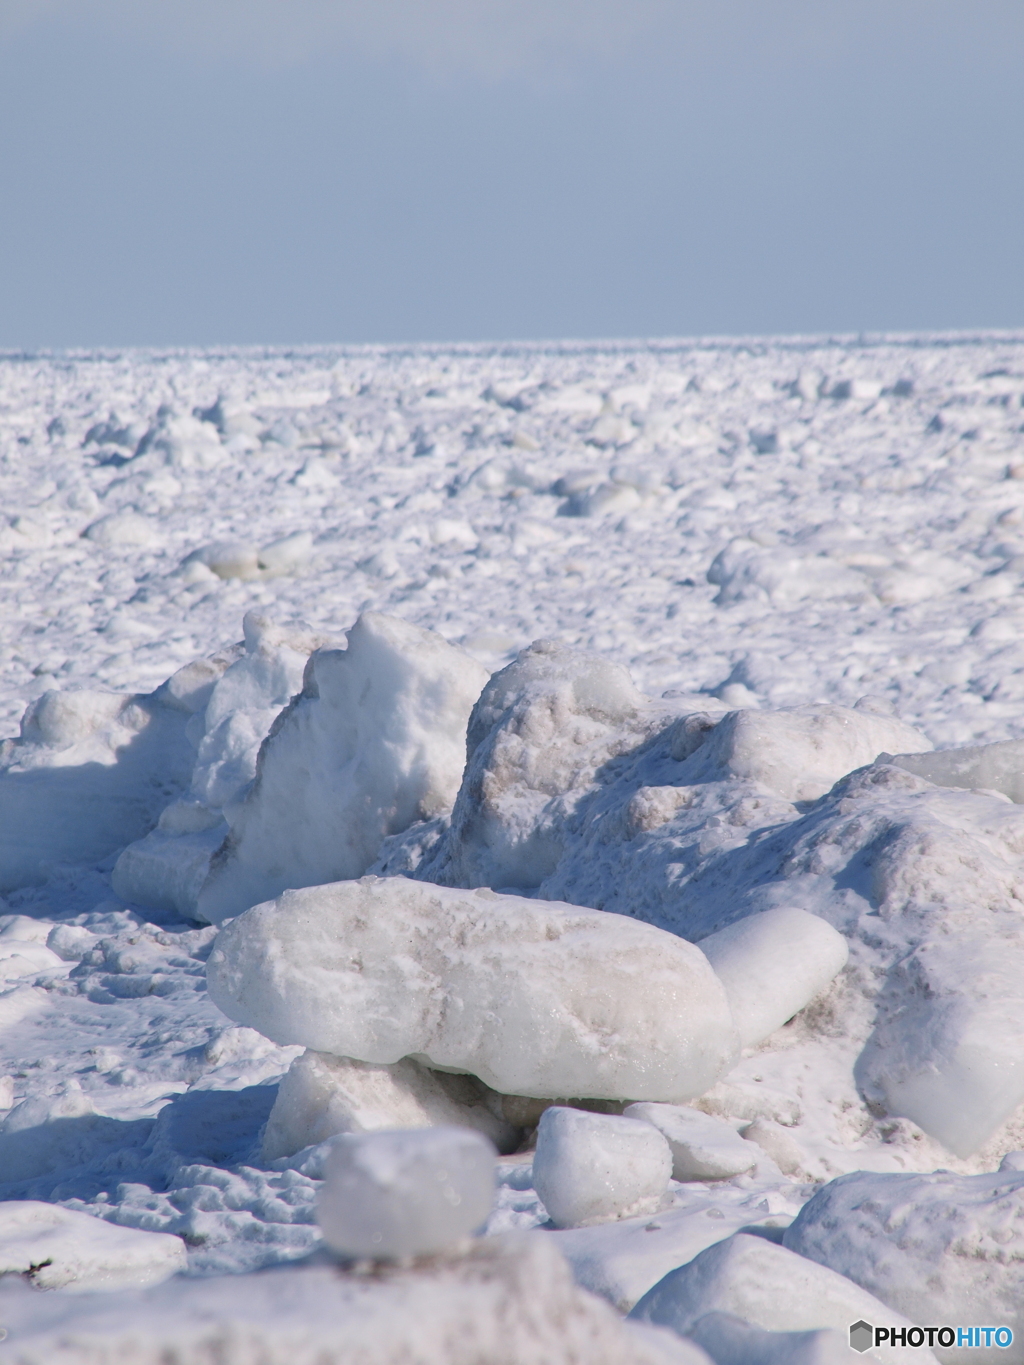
321,1095
938,1248
772,965
771,1288
374,742
405,1192
703,1148
800,752
60,1249
533,997
591,1168
993,767
509,1301
621,1261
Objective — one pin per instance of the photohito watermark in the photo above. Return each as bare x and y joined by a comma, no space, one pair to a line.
863,1335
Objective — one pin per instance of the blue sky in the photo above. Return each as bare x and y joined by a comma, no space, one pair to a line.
289,171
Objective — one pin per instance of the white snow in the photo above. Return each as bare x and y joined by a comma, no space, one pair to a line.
405,1192
742,573
320,1096
58,1249
590,1168
532,997
766,1285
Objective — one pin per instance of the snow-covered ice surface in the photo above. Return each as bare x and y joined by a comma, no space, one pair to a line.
694,530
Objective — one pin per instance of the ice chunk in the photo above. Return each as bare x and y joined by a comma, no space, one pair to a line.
769,1287
287,555
775,1142
994,767
539,732
374,742
406,1192
590,1168
622,1260
123,529
166,869
533,997
729,1340
745,571
321,1095
508,1301
938,1248
773,964
800,751
703,1148
60,1249
946,1051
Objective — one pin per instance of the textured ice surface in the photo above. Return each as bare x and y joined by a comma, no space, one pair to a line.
703,1148
589,1168
58,1249
405,1192
933,1247
534,998
375,741
772,965
769,1287
510,1301
321,1095
482,493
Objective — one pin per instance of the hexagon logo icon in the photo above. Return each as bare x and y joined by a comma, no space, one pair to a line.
862,1335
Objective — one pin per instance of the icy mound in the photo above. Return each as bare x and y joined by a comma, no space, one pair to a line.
89,772
373,743
350,746
510,1301
938,1248
533,998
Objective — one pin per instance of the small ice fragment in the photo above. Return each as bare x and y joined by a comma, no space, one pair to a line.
592,1168
405,1192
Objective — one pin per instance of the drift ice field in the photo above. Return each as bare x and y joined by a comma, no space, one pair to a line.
512,854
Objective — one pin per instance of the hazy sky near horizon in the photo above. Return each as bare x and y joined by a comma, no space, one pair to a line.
284,171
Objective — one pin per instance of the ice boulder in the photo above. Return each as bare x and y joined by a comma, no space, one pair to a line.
800,752
772,964
769,1287
938,1248
992,767
946,1049
702,1147
533,997
405,1192
374,742
507,1301
540,732
60,1249
89,772
590,1168
321,1095
729,1340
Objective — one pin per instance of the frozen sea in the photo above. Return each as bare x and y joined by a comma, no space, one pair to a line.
759,522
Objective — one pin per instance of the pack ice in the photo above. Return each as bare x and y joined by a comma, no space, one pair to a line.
722,871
